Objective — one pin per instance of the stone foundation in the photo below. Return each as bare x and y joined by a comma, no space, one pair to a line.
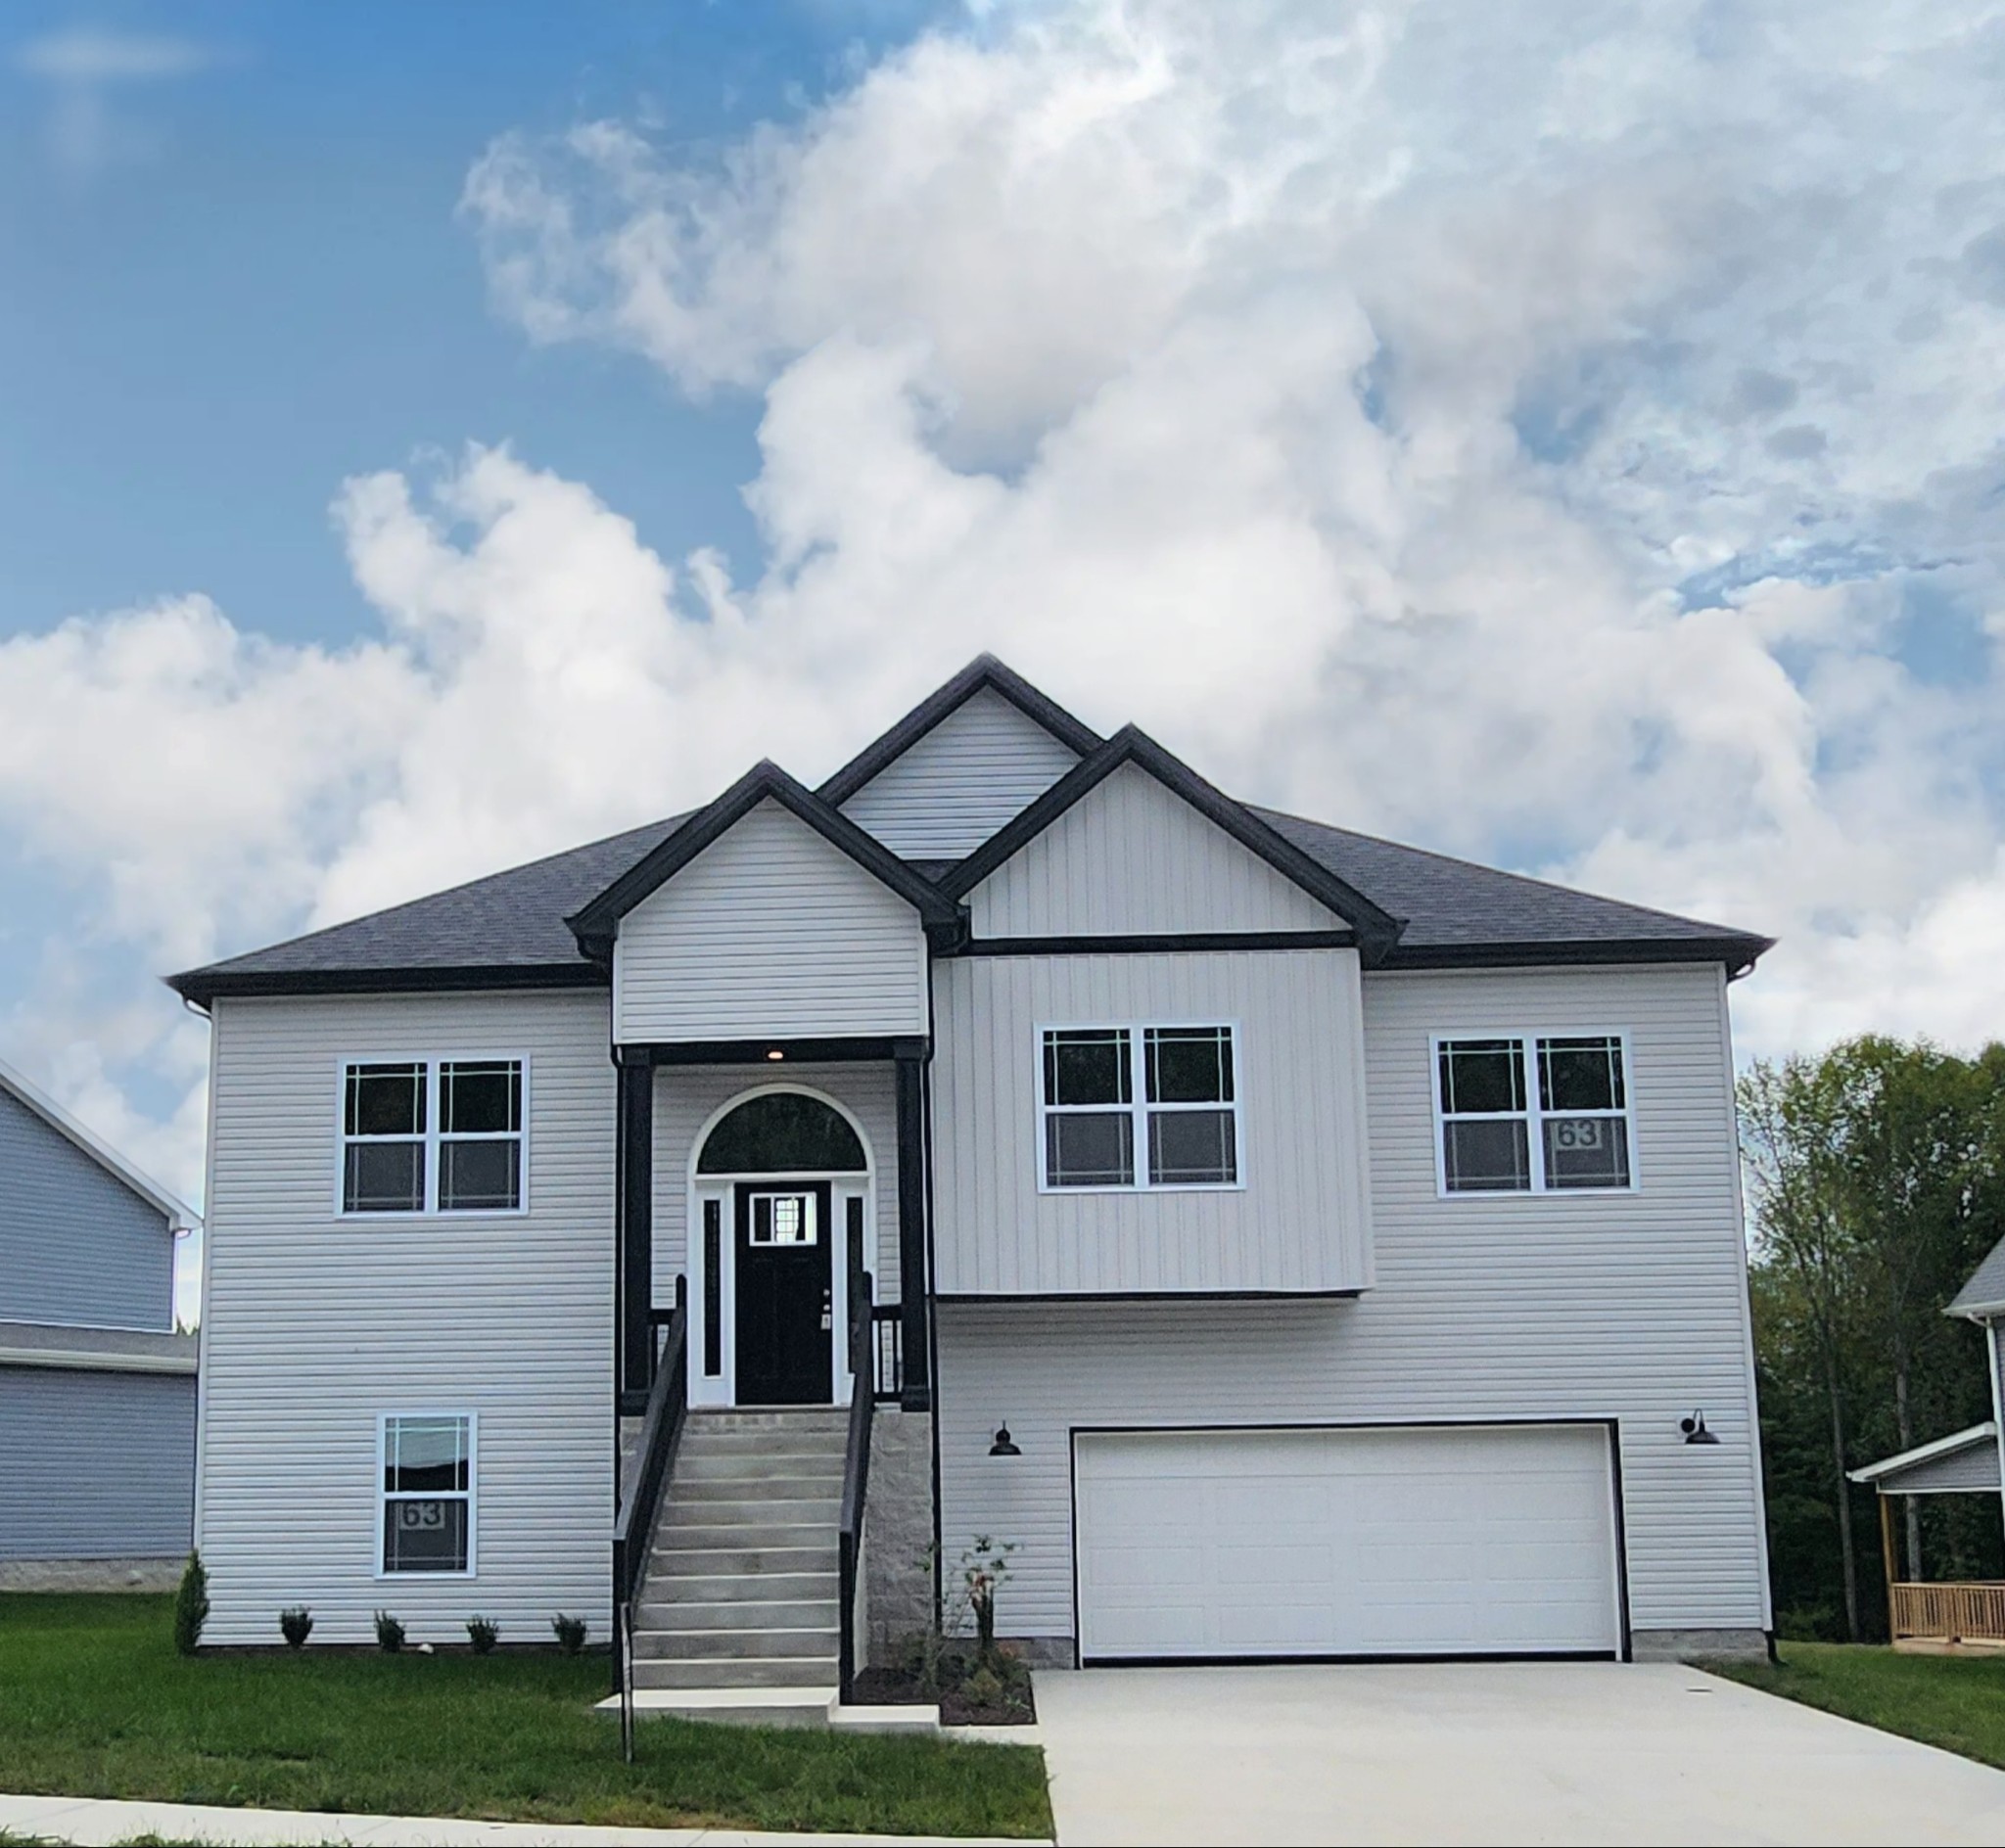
898,1538
91,1575
1698,1645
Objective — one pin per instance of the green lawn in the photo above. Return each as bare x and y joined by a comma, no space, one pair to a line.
1956,1702
95,1702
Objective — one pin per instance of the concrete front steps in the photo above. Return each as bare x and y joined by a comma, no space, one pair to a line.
739,1613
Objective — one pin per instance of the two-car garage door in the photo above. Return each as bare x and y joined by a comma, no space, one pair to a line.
1406,1541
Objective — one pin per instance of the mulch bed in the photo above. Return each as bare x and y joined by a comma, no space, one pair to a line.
964,1694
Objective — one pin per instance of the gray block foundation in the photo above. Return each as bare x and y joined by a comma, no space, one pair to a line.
899,1539
91,1575
1698,1645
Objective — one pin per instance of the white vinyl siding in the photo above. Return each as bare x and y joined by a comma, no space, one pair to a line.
769,932
1521,1307
316,1325
1466,1540
1298,1220
979,767
687,1096
1132,858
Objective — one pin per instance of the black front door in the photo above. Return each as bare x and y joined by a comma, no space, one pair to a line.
786,1294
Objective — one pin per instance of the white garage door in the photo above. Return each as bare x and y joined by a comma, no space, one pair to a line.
1469,1540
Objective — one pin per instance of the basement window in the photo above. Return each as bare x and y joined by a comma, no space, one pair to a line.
426,1465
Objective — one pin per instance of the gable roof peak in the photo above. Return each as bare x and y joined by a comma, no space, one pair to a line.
595,923
984,674
1377,930
180,1217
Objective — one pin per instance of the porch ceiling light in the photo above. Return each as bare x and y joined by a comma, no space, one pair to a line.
775,1053
1003,1446
1694,1429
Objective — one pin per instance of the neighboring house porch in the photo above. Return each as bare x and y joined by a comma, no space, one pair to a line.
1924,1615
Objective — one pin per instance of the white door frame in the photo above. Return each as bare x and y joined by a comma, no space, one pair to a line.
721,1388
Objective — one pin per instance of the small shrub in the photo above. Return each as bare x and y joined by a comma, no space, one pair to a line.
570,1631
388,1633
983,1568
191,1605
296,1625
482,1632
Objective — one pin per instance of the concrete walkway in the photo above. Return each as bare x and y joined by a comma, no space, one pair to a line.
1549,1752
100,1823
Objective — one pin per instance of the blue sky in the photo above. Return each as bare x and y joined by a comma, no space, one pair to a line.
260,288
431,436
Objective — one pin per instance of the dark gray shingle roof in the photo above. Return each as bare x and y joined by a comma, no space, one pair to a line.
1986,1286
511,926
509,921
1453,905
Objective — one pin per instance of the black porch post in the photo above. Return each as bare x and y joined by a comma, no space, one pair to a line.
635,1293
914,1343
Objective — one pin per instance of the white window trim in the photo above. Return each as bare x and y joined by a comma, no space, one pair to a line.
1139,1107
1526,1038
473,1495
433,1136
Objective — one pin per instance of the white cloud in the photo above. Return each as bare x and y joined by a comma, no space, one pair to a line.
84,54
83,65
1520,431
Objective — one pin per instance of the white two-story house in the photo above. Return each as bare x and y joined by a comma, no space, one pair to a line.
1294,1244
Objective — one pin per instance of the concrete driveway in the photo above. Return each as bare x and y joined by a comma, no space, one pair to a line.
1587,1752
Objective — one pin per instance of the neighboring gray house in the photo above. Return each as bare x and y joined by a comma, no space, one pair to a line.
1294,1243
1930,1613
97,1391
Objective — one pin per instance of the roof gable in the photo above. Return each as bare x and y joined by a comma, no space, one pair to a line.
595,923
972,773
180,1215
985,674
1375,929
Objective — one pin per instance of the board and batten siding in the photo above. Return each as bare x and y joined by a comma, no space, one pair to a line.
1487,1308
77,1246
687,1096
980,766
1300,1221
316,1324
770,930
95,1465
1132,857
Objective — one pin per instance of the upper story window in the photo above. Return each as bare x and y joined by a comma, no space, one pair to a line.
432,1135
1138,1107
1533,1114
427,1465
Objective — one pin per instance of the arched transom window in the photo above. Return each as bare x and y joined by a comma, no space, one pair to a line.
783,1132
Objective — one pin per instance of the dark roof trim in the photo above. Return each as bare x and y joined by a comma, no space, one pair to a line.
1735,949
1171,943
203,987
594,924
985,671
775,1054
1377,930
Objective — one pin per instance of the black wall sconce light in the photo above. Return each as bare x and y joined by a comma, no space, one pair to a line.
1003,1444
1694,1429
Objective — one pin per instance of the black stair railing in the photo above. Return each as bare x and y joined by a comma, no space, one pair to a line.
855,1471
661,1431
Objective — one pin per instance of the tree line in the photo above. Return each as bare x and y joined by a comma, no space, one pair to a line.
1875,1181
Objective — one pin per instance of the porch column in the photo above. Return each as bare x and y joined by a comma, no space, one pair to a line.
635,1264
914,1342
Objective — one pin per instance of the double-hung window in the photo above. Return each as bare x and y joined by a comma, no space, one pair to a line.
1138,1106
432,1135
427,1469
1533,1114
